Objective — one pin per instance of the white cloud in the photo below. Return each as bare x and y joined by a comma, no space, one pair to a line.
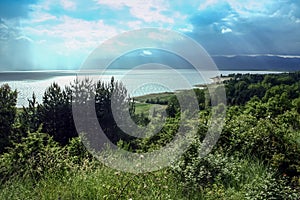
24,38
148,11
187,28
226,30
68,4
135,24
146,53
243,7
117,4
207,3
3,26
72,34
44,5
47,5
39,17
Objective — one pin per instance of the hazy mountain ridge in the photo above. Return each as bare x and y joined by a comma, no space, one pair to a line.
235,62
264,62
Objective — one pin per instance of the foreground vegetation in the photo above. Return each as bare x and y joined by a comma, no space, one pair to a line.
256,157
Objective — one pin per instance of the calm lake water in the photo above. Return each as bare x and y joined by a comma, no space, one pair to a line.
138,82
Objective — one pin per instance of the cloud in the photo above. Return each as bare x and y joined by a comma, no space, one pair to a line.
74,31
135,24
212,15
250,27
6,31
186,29
67,42
243,7
148,11
15,48
14,8
226,30
68,4
146,53
41,17
15,54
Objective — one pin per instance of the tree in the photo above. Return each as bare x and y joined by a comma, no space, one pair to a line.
8,101
108,95
296,104
29,118
173,107
55,114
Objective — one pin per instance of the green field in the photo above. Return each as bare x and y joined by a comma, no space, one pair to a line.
146,107
161,96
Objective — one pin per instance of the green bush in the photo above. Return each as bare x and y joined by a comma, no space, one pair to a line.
227,177
77,153
270,187
274,141
36,155
202,172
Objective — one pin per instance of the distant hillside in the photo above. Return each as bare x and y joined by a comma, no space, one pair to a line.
240,62
141,57
268,63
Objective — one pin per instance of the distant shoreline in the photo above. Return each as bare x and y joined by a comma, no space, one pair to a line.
28,75
37,81
43,75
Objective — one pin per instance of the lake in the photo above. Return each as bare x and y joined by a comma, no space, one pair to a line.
138,82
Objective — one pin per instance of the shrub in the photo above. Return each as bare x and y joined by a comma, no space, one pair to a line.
270,187
195,171
221,176
272,140
37,154
77,152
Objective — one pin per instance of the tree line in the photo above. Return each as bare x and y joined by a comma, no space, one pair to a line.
54,114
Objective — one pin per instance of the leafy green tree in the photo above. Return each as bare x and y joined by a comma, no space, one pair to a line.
296,104
256,107
278,104
8,101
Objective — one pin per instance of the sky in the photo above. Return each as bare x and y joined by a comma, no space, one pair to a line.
60,34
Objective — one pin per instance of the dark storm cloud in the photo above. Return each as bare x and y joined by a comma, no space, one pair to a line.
222,30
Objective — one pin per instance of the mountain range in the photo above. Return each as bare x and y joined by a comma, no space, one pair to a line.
223,62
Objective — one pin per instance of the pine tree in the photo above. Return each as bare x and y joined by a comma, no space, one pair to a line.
8,110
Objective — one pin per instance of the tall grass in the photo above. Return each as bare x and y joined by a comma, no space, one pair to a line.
95,181
102,183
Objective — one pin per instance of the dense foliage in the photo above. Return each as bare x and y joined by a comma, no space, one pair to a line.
256,157
7,115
